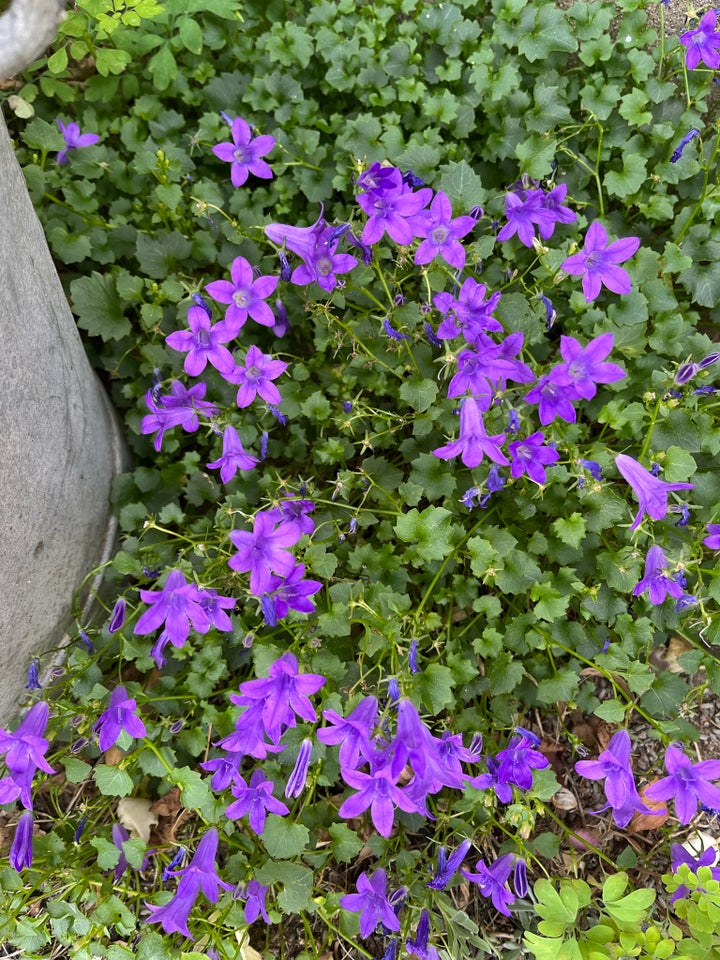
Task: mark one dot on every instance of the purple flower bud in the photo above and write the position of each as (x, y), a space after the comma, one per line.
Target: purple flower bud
(528, 735)
(87, 641)
(226, 118)
(21, 850)
(550, 312)
(592, 467)
(706, 388)
(263, 445)
(297, 779)
(412, 180)
(77, 720)
(347, 406)
(282, 321)
(33, 683)
(80, 828)
(118, 616)
(285, 268)
(177, 726)
(393, 690)
(655, 469)
(413, 657)
(476, 744)
(684, 516)
(392, 332)
(685, 372)
(468, 498)
(476, 212)
(520, 881)
(513, 422)
(398, 299)
(425, 309)
(77, 746)
(340, 230)
(248, 640)
(200, 301)
(432, 336)
(280, 417)
(175, 862)
(366, 253)
(709, 360)
(269, 611)
(352, 526)
(686, 600)
(684, 142)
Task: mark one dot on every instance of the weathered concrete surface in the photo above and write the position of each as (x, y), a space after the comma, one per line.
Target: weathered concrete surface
(60, 444)
(27, 29)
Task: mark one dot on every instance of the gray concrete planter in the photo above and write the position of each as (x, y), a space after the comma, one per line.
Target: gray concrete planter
(61, 445)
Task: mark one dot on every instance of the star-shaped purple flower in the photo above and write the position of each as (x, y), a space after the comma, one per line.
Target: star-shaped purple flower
(655, 581)
(176, 606)
(264, 551)
(255, 378)
(713, 541)
(473, 441)
(234, 456)
(246, 297)
(597, 263)
(443, 234)
(256, 800)
(73, 139)
(202, 343)
(119, 716)
(687, 783)
(530, 456)
(584, 366)
(703, 43)
(245, 152)
(492, 881)
(372, 903)
(613, 766)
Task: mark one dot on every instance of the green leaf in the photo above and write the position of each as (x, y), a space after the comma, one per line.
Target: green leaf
(76, 771)
(631, 108)
(702, 282)
(614, 887)
(108, 853)
(435, 685)
(462, 185)
(161, 253)
(163, 67)
(190, 34)
(668, 690)
(98, 307)
(505, 674)
(346, 844)
(678, 465)
(419, 393)
(110, 60)
(571, 530)
(194, 789)
(58, 61)
(112, 781)
(551, 32)
(611, 711)
(627, 181)
(283, 838)
(430, 530)
(296, 883)
(536, 155)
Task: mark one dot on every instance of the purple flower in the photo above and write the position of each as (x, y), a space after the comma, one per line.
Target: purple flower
(200, 874)
(119, 836)
(378, 791)
(703, 43)
(178, 408)
(73, 139)
(492, 881)
(25, 750)
(686, 784)
(442, 234)
(264, 551)
(283, 693)
(598, 263)
(613, 766)
(655, 580)
(21, 851)
(517, 762)
(256, 800)
(254, 896)
(256, 377)
(371, 903)
(300, 240)
(470, 314)
(531, 457)
(473, 441)
(215, 606)
(713, 541)
(584, 366)
(353, 732)
(419, 947)
(244, 153)
(292, 593)
(522, 214)
(176, 606)
(202, 343)
(652, 493)
(553, 400)
(592, 467)
(33, 680)
(677, 153)
(448, 866)
(118, 616)
(321, 263)
(296, 781)
(119, 716)
(394, 212)
(246, 298)
(234, 456)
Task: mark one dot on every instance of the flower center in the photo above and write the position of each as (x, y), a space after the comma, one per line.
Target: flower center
(324, 266)
(439, 235)
(241, 298)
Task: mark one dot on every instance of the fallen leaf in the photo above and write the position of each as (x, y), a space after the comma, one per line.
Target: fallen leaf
(169, 805)
(585, 839)
(113, 756)
(246, 951)
(137, 816)
(648, 821)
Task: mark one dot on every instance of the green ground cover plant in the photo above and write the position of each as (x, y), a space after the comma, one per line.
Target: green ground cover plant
(410, 309)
